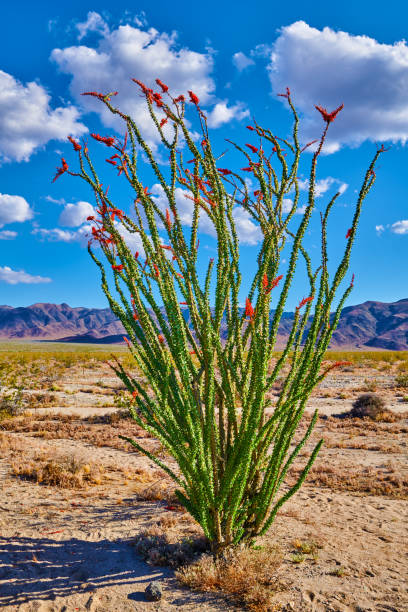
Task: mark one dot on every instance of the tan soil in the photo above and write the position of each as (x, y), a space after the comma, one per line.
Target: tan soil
(73, 549)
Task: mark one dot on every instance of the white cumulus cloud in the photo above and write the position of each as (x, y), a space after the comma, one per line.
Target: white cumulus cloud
(74, 215)
(27, 120)
(13, 277)
(222, 113)
(247, 231)
(328, 68)
(241, 61)
(323, 185)
(132, 239)
(13, 208)
(94, 23)
(84, 233)
(400, 227)
(131, 52)
(56, 234)
(7, 235)
(287, 204)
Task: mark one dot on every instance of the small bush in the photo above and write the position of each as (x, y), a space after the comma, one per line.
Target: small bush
(369, 385)
(402, 380)
(249, 576)
(12, 403)
(65, 472)
(368, 405)
(158, 548)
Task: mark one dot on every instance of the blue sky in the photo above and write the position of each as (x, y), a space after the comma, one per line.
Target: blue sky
(236, 57)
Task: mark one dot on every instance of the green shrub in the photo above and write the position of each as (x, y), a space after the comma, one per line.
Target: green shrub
(368, 405)
(208, 399)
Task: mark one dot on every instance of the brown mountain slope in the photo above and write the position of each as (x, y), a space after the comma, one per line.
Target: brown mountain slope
(53, 321)
(368, 325)
(374, 324)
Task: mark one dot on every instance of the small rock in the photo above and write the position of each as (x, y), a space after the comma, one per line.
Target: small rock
(154, 591)
(92, 602)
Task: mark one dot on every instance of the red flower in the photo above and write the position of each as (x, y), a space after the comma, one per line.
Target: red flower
(136, 254)
(64, 168)
(141, 85)
(303, 302)
(119, 267)
(75, 144)
(274, 283)
(204, 143)
(116, 212)
(348, 233)
(109, 141)
(164, 87)
(101, 96)
(329, 117)
(183, 303)
(224, 171)
(160, 338)
(338, 364)
(249, 127)
(135, 393)
(352, 281)
(156, 270)
(163, 121)
(193, 98)
(253, 149)
(265, 281)
(249, 311)
(285, 95)
(91, 218)
(168, 220)
(247, 169)
(179, 99)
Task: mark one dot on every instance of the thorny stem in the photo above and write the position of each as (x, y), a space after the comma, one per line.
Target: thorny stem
(208, 402)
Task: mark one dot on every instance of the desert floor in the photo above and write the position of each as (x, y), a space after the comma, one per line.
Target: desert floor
(108, 526)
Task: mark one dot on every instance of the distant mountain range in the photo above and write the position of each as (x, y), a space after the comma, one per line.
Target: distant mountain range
(369, 325)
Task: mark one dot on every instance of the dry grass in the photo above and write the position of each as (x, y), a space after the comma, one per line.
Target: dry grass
(355, 445)
(365, 426)
(10, 444)
(386, 481)
(87, 430)
(248, 576)
(153, 485)
(66, 472)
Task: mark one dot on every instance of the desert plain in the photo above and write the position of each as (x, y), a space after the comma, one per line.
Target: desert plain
(87, 522)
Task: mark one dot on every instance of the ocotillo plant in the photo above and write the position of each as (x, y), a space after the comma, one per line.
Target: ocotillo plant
(209, 400)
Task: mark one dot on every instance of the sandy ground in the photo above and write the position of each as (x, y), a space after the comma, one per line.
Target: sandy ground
(67, 549)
